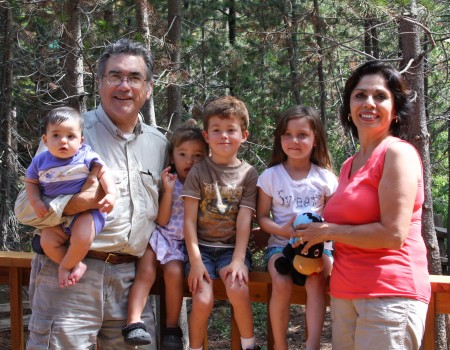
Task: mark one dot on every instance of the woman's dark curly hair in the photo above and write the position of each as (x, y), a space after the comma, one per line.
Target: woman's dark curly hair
(395, 83)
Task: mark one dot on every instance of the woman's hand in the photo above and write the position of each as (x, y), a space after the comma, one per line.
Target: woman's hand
(311, 234)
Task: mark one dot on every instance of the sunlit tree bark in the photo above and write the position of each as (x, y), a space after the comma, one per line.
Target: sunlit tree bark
(8, 225)
(417, 133)
(174, 106)
(143, 10)
(73, 82)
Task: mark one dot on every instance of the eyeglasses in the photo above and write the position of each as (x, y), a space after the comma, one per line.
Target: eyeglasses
(134, 81)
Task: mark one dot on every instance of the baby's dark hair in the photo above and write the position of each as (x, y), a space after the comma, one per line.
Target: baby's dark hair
(188, 131)
(60, 115)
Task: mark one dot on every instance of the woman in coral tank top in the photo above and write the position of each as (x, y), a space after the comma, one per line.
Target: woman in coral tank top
(379, 285)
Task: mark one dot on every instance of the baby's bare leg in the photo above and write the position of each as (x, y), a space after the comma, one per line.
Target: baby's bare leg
(83, 233)
(53, 240)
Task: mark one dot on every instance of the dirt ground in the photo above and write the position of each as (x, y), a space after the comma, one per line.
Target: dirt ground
(219, 341)
(219, 328)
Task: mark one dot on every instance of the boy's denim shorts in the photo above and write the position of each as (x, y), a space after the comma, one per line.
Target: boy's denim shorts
(216, 258)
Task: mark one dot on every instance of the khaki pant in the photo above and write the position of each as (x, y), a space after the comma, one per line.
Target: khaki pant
(378, 323)
(76, 317)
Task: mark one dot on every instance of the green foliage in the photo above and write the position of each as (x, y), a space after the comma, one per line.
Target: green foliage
(440, 195)
(256, 67)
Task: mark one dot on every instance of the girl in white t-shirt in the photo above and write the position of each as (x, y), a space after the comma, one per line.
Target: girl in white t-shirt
(299, 179)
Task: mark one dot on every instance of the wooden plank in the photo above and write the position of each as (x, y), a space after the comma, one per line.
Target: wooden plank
(441, 232)
(16, 315)
(428, 339)
(17, 259)
(235, 335)
(440, 283)
(15, 271)
(4, 275)
(442, 303)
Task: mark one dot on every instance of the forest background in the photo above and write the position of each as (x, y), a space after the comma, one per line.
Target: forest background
(270, 53)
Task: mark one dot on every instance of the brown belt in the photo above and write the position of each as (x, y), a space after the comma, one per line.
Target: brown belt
(111, 258)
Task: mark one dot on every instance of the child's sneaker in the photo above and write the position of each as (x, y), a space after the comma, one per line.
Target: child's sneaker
(172, 339)
(136, 334)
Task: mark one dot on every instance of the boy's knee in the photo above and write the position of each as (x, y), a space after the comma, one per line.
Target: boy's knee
(237, 292)
(203, 303)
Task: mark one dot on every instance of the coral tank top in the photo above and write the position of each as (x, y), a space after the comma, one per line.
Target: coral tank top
(371, 273)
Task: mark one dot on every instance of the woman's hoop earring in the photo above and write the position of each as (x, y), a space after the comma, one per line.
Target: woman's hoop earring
(349, 117)
(396, 119)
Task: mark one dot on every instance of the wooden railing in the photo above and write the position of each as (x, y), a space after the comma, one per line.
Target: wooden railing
(15, 270)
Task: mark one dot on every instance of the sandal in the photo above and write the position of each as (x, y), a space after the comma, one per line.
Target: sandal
(136, 334)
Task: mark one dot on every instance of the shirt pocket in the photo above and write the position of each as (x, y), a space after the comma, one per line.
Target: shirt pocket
(150, 180)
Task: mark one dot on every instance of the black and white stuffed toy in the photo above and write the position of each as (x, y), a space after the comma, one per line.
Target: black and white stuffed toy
(299, 265)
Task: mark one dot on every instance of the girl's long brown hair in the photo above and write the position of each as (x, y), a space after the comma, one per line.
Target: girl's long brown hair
(320, 154)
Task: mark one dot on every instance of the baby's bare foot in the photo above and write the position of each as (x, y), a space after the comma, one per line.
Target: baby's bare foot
(77, 272)
(63, 277)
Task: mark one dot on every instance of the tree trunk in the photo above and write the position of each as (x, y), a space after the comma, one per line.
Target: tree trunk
(9, 238)
(448, 193)
(323, 94)
(73, 82)
(367, 41)
(416, 132)
(374, 37)
(174, 107)
(143, 10)
(232, 40)
(371, 36)
(290, 26)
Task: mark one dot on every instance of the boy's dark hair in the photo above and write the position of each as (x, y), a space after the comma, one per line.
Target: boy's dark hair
(127, 47)
(61, 114)
(395, 83)
(320, 154)
(226, 107)
(188, 131)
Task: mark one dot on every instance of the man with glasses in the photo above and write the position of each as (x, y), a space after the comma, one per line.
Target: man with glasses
(95, 309)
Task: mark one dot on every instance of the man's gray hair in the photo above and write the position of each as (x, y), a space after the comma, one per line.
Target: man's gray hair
(126, 46)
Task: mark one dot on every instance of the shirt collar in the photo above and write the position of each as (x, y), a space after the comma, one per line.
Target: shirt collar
(112, 128)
